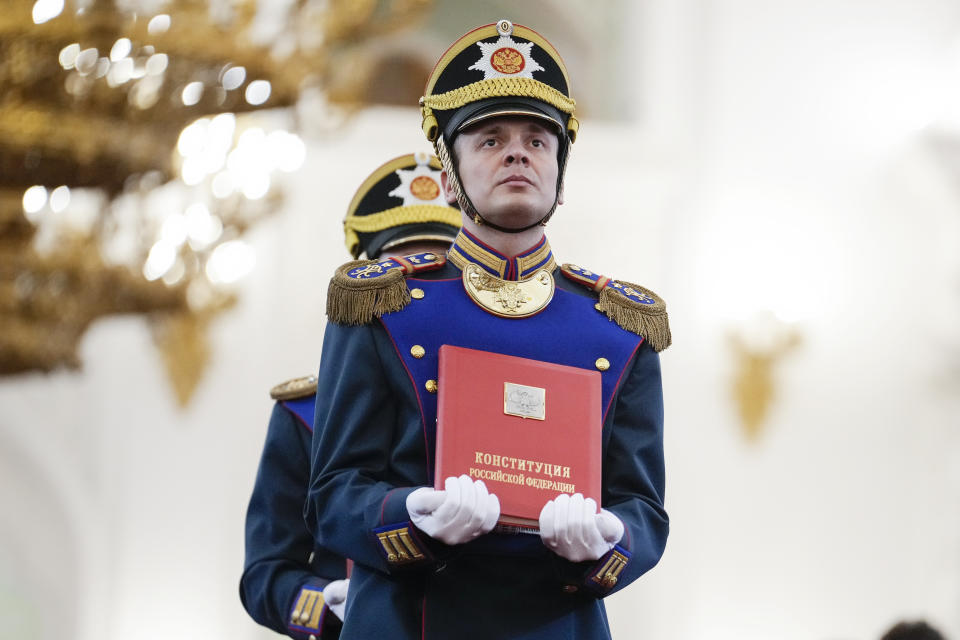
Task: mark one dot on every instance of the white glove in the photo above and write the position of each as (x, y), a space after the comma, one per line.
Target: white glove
(572, 528)
(335, 596)
(458, 514)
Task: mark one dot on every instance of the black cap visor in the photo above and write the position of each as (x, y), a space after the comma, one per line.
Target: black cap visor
(471, 114)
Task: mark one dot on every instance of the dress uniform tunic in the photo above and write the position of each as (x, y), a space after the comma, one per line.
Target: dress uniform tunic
(376, 416)
(398, 203)
(281, 587)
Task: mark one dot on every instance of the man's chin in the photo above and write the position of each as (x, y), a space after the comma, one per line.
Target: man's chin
(515, 218)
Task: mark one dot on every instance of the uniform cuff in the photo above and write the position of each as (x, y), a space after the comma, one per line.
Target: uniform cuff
(401, 545)
(602, 577)
(309, 611)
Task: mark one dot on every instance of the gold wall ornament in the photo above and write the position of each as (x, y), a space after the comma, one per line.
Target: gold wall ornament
(508, 298)
(758, 348)
(181, 338)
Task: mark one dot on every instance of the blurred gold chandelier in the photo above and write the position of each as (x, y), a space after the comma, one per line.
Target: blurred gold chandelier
(139, 141)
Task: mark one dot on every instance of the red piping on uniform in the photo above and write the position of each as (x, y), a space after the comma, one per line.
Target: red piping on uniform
(383, 503)
(297, 416)
(413, 382)
(620, 379)
(423, 618)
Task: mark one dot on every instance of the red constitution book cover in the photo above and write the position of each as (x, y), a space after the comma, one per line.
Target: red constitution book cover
(530, 430)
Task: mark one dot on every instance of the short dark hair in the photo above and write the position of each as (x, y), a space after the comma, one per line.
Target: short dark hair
(918, 630)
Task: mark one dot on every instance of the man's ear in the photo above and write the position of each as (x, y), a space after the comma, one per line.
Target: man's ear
(560, 194)
(448, 193)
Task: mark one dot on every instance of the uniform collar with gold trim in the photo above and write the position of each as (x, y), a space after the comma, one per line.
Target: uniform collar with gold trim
(467, 249)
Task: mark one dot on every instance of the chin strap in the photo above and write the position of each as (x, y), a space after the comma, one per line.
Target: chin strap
(446, 159)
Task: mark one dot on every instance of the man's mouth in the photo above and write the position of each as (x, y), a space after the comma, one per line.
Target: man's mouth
(516, 179)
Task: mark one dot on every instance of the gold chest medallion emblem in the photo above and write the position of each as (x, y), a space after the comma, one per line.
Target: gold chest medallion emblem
(508, 298)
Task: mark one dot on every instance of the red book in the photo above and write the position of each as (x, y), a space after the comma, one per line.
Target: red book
(529, 429)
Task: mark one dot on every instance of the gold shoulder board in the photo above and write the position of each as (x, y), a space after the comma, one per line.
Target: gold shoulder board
(635, 308)
(361, 290)
(296, 388)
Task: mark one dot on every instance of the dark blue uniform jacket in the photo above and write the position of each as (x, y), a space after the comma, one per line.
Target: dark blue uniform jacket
(282, 587)
(375, 420)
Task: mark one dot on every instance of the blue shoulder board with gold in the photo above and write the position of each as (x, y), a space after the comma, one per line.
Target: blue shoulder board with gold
(635, 308)
(364, 289)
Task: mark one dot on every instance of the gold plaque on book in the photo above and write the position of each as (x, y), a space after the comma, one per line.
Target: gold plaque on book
(525, 402)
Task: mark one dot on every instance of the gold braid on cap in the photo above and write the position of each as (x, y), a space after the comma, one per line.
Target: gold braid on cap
(499, 88)
(396, 216)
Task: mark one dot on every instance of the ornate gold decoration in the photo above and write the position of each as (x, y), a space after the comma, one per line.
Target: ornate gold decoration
(98, 98)
(309, 608)
(359, 298)
(608, 575)
(181, 338)
(757, 349)
(296, 388)
(424, 188)
(508, 298)
(48, 302)
(399, 546)
(507, 60)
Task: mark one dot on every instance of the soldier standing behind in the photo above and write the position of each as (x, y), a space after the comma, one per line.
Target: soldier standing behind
(288, 583)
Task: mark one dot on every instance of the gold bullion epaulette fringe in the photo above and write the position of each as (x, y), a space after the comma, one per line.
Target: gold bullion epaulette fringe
(295, 388)
(361, 290)
(635, 308)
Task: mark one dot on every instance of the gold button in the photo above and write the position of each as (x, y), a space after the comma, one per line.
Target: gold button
(313, 637)
(416, 294)
(429, 257)
(602, 364)
(598, 307)
(431, 386)
(417, 351)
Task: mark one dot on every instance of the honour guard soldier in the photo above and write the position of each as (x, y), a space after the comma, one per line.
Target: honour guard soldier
(428, 562)
(286, 583)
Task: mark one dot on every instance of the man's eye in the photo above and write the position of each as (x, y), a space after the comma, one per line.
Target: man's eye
(489, 142)
(537, 143)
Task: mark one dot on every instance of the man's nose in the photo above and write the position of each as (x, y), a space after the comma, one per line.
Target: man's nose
(515, 152)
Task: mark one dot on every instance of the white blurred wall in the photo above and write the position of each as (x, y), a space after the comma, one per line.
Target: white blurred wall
(779, 161)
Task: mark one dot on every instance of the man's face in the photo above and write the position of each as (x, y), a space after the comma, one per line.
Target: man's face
(508, 167)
